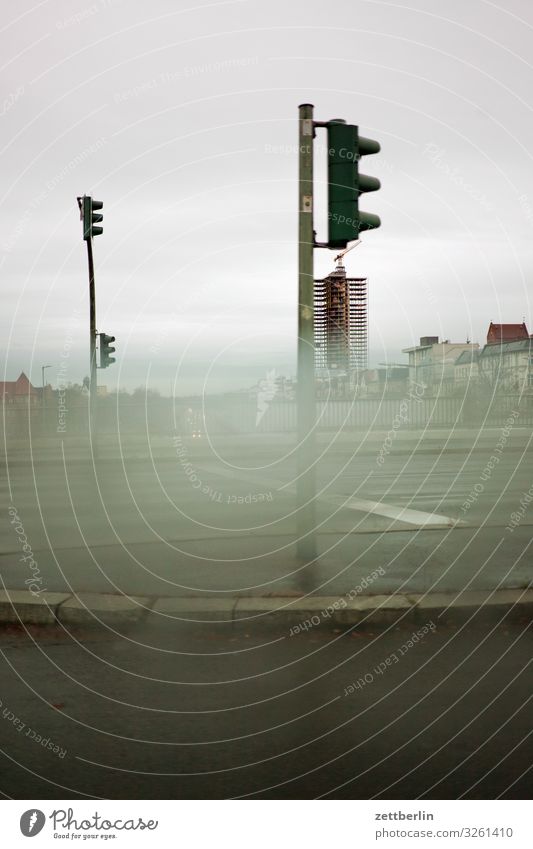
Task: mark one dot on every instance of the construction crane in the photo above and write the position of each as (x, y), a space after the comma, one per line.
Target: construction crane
(338, 258)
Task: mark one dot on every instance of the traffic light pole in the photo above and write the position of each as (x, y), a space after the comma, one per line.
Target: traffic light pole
(306, 412)
(93, 386)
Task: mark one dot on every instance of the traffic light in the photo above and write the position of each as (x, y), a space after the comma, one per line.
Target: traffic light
(106, 350)
(345, 183)
(91, 218)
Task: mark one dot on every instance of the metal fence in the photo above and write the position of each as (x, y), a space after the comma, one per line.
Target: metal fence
(372, 414)
(243, 415)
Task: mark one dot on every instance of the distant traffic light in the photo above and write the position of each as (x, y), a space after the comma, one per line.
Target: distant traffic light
(106, 350)
(345, 183)
(91, 218)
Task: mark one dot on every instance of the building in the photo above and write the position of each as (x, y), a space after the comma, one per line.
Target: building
(507, 366)
(505, 362)
(432, 363)
(340, 330)
(466, 368)
(498, 333)
(388, 382)
(19, 391)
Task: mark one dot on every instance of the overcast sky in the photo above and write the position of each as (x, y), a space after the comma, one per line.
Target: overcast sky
(182, 117)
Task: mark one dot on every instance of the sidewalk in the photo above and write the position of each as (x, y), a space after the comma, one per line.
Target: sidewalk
(384, 563)
(355, 578)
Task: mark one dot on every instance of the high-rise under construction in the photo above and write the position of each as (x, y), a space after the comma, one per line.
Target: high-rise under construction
(341, 336)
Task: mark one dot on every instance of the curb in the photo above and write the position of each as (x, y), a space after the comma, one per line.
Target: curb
(20, 607)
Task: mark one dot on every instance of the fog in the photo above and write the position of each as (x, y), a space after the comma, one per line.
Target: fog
(206, 593)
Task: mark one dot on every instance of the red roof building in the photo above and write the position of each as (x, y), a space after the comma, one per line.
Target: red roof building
(17, 391)
(498, 333)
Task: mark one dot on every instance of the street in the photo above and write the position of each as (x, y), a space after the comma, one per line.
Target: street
(182, 711)
(220, 517)
(177, 709)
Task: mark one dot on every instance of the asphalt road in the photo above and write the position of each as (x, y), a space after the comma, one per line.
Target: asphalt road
(218, 516)
(175, 710)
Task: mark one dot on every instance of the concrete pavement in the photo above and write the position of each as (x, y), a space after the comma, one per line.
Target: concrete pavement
(367, 442)
(178, 710)
(221, 520)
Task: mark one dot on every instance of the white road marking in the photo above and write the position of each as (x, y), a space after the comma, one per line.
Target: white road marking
(378, 508)
(411, 499)
(401, 514)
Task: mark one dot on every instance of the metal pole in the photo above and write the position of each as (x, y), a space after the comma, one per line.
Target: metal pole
(93, 386)
(306, 483)
(43, 397)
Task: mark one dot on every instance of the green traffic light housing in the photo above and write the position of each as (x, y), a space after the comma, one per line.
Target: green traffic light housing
(106, 350)
(346, 184)
(90, 218)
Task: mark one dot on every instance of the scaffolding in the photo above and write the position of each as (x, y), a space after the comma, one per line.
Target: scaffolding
(341, 333)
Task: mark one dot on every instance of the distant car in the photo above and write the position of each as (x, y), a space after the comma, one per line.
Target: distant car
(193, 423)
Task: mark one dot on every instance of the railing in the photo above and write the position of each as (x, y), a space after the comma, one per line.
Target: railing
(236, 415)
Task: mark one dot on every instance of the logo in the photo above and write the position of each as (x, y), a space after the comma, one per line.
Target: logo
(32, 822)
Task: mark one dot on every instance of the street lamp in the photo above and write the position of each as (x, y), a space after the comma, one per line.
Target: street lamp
(42, 381)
